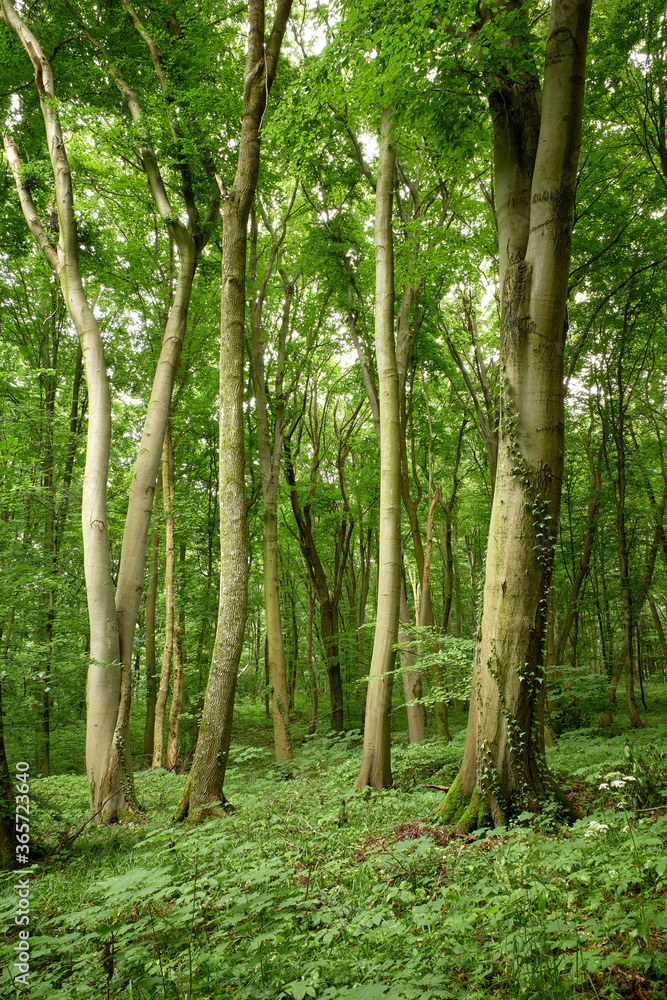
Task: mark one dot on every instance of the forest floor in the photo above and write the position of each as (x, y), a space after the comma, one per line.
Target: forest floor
(311, 889)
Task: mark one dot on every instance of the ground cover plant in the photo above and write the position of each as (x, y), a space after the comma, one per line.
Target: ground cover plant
(310, 890)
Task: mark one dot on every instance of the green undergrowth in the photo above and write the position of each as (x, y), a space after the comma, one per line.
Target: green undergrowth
(311, 889)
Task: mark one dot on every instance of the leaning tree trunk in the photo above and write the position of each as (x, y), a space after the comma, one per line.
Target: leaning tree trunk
(112, 617)
(204, 786)
(103, 686)
(376, 756)
(503, 772)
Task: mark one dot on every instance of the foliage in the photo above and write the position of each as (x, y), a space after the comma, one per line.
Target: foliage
(576, 696)
(307, 890)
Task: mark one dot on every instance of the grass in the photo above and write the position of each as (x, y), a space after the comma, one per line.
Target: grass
(311, 889)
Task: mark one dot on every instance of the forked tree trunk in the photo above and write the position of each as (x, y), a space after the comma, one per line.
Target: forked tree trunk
(503, 772)
(112, 616)
(204, 788)
(376, 756)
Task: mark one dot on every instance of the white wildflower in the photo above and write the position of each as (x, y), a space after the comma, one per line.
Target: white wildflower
(596, 829)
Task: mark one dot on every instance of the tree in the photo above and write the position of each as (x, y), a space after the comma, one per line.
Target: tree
(269, 446)
(113, 611)
(376, 759)
(205, 784)
(536, 150)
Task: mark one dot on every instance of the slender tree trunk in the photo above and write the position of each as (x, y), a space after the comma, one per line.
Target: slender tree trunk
(412, 679)
(169, 586)
(376, 755)
(658, 628)
(309, 660)
(269, 463)
(112, 617)
(103, 686)
(178, 666)
(204, 788)
(151, 685)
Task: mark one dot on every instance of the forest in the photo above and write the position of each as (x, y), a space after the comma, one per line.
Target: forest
(333, 479)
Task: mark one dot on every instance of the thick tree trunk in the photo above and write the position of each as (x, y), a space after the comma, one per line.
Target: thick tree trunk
(376, 756)
(204, 788)
(503, 772)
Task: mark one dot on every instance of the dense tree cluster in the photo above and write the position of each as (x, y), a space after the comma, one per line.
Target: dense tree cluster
(343, 328)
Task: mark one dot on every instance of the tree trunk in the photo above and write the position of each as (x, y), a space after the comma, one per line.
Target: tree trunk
(309, 660)
(376, 756)
(178, 665)
(112, 617)
(269, 465)
(169, 582)
(412, 679)
(151, 686)
(502, 773)
(204, 788)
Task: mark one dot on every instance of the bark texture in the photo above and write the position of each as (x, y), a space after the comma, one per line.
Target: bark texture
(204, 788)
(535, 168)
(112, 615)
(376, 759)
(270, 446)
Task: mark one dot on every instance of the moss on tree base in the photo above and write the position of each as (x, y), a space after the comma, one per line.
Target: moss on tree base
(473, 812)
(194, 816)
(467, 813)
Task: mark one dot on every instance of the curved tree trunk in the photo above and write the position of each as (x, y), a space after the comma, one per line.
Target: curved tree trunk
(103, 685)
(112, 617)
(376, 756)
